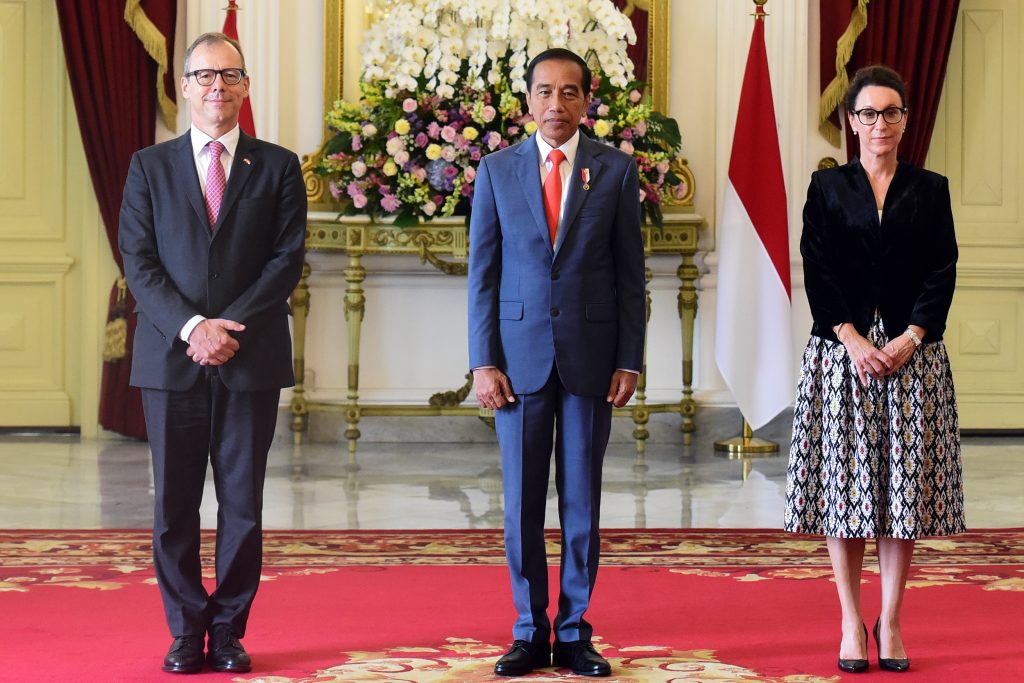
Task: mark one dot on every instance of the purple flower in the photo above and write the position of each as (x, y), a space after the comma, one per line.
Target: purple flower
(474, 154)
(626, 134)
(421, 140)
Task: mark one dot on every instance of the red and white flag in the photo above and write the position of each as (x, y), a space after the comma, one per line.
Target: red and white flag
(231, 31)
(753, 340)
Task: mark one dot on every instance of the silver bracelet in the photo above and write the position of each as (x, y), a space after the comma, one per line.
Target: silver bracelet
(913, 337)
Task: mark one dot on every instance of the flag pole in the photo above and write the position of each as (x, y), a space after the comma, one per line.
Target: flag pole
(747, 446)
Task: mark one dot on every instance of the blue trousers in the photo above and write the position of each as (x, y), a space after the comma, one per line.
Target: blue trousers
(578, 427)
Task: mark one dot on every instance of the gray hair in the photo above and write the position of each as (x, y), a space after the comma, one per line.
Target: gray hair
(208, 38)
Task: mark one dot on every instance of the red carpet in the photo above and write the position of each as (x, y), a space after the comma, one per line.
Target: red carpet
(670, 605)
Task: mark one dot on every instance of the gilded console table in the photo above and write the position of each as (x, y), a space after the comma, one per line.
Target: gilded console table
(441, 239)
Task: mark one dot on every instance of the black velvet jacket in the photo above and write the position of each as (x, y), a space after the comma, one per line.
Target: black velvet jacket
(905, 267)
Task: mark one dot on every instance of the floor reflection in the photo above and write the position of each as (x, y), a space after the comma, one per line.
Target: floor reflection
(63, 482)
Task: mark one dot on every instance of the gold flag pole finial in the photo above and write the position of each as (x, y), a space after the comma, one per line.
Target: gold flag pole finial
(759, 13)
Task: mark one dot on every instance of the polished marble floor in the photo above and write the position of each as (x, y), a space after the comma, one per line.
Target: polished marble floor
(49, 481)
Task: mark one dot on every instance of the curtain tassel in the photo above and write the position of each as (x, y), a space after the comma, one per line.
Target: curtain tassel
(115, 339)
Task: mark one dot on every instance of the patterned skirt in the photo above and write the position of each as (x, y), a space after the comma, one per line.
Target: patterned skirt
(881, 460)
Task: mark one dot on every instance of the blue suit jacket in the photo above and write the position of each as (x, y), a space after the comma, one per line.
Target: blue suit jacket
(244, 269)
(581, 305)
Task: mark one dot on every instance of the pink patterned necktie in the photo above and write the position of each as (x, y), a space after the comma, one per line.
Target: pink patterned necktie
(215, 182)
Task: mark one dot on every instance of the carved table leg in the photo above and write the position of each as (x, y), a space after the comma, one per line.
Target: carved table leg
(687, 274)
(640, 413)
(300, 313)
(355, 304)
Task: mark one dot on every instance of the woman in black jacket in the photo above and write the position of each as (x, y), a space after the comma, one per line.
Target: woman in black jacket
(876, 441)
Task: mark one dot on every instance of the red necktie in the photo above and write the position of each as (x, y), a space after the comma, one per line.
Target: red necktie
(215, 182)
(553, 192)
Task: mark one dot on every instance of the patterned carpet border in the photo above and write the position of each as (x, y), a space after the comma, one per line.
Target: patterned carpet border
(690, 548)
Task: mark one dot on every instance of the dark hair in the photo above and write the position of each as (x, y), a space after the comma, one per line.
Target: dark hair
(207, 38)
(563, 54)
(875, 74)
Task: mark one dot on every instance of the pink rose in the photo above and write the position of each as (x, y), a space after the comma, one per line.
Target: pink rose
(662, 167)
(433, 129)
(358, 169)
(448, 134)
(357, 143)
(489, 113)
(626, 146)
(422, 139)
(641, 128)
(359, 201)
(470, 174)
(429, 208)
(634, 96)
(448, 153)
(602, 110)
(402, 157)
(408, 105)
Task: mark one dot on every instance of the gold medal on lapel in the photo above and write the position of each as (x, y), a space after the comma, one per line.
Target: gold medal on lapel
(586, 179)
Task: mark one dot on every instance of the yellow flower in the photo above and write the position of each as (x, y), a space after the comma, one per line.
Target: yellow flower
(433, 152)
(530, 127)
(602, 128)
(470, 133)
(390, 168)
(401, 126)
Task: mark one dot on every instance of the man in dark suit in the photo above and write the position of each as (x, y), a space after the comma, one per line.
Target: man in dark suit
(556, 334)
(212, 231)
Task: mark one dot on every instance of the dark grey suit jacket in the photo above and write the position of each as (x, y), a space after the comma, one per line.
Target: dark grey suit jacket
(244, 269)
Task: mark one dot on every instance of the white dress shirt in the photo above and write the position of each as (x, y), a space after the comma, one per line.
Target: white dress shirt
(201, 154)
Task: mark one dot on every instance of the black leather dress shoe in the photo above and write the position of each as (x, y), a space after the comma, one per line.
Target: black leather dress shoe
(185, 655)
(582, 658)
(225, 653)
(522, 658)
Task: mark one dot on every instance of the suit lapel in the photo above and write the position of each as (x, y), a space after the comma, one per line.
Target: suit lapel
(241, 170)
(528, 172)
(586, 158)
(185, 166)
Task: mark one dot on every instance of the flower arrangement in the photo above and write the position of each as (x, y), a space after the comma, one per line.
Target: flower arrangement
(441, 88)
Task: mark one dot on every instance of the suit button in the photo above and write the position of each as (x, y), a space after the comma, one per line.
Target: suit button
(214, 276)
(554, 312)
(554, 275)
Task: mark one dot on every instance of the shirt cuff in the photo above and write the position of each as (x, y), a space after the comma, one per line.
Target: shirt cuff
(186, 331)
(632, 372)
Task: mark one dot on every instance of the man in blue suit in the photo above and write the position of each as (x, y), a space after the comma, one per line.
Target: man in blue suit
(212, 231)
(556, 335)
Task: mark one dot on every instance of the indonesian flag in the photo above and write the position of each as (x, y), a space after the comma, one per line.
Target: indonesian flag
(753, 342)
(231, 31)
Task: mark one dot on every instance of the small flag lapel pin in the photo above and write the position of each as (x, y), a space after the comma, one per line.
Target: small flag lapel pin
(586, 179)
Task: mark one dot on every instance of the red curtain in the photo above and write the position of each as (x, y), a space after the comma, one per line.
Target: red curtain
(912, 37)
(113, 81)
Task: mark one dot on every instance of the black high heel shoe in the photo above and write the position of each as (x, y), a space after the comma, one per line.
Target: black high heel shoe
(855, 666)
(888, 664)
